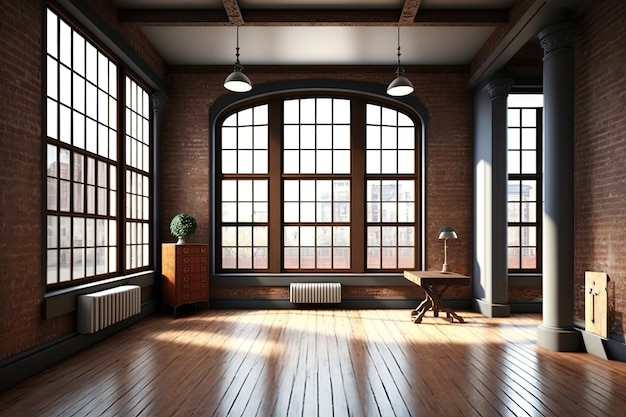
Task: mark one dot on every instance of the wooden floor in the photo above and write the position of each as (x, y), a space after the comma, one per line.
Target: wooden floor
(323, 363)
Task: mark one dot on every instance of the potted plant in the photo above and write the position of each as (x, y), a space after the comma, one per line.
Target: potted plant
(183, 226)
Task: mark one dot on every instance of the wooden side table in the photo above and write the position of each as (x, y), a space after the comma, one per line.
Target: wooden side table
(435, 284)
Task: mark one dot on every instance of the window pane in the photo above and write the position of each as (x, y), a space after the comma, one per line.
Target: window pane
(529, 162)
(529, 258)
(529, 139)
(341, 162)
(514, 258)
(341, 258)
(406, 258)
(529, 118)
(514, 162)
(341, 111)
(406, 163)
(513, 118)
(513, 138)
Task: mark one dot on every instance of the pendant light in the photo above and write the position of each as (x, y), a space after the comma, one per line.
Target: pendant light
(237, 81)
(400, 86)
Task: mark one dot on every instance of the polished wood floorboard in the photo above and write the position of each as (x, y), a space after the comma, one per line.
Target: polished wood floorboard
(323, 363)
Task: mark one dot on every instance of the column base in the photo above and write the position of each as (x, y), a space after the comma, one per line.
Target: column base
(559, 339)
(489, 309)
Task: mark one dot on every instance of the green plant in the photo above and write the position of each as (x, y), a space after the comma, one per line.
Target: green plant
(183, 225)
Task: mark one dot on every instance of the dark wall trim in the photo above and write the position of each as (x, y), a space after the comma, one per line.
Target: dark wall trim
(526, 306)
(57, 303)
(20, 367)
(364, 280)
(280, 280)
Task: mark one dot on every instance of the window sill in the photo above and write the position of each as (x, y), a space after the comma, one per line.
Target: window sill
(525, 279)
(57, 303)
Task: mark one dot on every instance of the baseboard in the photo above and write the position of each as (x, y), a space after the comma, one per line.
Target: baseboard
(352, 303)
(602, 347)
(526, 306)
(21, 367)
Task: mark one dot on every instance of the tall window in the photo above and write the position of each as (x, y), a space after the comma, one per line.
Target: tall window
(525, 196)
(89, 207)
(317, 184)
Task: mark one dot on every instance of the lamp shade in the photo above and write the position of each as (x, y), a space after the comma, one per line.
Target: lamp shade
(447, 232)
(237, 81)
(400, 86)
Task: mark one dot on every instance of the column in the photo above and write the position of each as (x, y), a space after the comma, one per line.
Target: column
(159, 100)
(490, 274)
(557, 330)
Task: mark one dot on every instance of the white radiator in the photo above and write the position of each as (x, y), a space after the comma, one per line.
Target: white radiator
(104, 308)
(315, 292)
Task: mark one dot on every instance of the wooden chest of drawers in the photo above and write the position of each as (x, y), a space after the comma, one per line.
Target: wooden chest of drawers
(185, 271)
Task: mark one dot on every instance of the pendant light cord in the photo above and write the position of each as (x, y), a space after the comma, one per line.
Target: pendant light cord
(400, 70)
(237, 49)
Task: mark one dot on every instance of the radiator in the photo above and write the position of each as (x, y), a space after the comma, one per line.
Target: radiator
(315, 292)
(104, 308)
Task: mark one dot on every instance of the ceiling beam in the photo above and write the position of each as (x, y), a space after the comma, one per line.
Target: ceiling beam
(315, 17)
(527, 18)
(409, 11)
(233, 12)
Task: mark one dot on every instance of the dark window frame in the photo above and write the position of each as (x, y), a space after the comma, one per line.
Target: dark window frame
(115, 160)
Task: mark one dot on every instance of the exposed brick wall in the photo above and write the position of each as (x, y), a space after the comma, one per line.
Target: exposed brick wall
(185, 146)
(132, 33)
(20, 218)
(600, 154)
(527, 63)
(21, 326)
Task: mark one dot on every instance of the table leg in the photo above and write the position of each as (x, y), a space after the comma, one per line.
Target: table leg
(419, 312)
(435, 293)
(421, 306)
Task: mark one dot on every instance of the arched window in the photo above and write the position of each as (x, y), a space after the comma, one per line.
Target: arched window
(317, 182)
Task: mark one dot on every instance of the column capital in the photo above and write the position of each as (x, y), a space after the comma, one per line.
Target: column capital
(159, 100)
(557, 38)
(498, 87)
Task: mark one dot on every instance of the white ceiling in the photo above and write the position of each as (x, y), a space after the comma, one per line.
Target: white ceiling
(271, 41)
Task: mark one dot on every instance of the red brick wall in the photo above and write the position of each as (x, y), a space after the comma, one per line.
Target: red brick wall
(131, 33)
(21, 326)
(185, 145)
(600, 154)
(20, 181)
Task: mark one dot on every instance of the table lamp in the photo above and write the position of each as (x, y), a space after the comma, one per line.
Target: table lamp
(446, 233)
